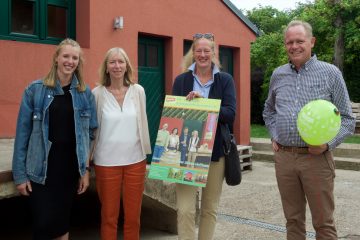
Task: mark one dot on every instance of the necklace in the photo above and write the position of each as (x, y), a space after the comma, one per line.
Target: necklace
(119, 94)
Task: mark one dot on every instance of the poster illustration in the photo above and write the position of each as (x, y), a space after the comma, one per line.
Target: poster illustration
(185, 140)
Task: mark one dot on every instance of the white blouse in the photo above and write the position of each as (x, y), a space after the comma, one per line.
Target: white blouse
(119, 140)
(173, 141)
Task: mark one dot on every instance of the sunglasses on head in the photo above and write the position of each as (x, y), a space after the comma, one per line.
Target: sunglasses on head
(209, 36)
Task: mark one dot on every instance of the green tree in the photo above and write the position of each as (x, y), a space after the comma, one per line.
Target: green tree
(336, 25)
(268, 19)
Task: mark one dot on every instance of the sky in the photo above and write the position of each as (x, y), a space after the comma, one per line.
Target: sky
(278, 4)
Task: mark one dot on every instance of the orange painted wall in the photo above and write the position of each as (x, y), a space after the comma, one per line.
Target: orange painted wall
(174, 21)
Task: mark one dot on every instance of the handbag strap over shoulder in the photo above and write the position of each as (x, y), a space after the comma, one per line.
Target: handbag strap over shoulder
(225, 132)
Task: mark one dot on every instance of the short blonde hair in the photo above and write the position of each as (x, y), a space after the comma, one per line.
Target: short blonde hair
(51, 77)
(105, 79)
(306, 25)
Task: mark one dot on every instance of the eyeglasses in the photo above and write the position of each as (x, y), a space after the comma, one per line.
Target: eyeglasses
(209, 36)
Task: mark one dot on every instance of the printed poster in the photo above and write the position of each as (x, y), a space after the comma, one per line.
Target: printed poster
(185, 140)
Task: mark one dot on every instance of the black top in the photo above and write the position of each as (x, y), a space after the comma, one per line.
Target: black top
(62, 122)
(63, 167)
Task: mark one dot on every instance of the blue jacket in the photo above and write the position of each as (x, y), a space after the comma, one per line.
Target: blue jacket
(182, 138)
(223, 88)
(31, 147)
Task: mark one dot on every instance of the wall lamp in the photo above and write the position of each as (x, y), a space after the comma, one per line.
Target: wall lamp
(119, 22)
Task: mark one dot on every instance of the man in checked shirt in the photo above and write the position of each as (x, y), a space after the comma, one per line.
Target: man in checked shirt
(305, 173)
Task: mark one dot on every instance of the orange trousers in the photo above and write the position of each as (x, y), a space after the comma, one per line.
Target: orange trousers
(112, 183)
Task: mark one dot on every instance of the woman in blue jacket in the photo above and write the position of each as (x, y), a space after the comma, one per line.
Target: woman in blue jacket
(55, 125)
(202, 78)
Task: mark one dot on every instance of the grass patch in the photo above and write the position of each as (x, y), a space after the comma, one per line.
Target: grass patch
(260, 131)
(353, 139)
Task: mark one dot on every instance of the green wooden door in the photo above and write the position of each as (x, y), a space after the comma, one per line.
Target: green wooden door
(151, 77)
(226, 60)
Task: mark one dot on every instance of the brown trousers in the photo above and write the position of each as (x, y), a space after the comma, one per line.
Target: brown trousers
(111, 183)
(306, 177)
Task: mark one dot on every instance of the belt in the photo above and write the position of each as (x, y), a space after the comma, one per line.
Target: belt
(302, 150)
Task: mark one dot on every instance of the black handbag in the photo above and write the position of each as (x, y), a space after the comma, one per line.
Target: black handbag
(232, 160)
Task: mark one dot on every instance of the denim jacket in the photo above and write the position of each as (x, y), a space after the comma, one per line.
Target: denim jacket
(31, 147)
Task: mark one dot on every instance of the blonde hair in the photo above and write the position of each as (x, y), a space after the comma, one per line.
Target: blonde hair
(189, 56)
(51, 77)
(105, 76)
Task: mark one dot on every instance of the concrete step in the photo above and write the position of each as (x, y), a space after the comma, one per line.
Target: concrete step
(340, 162)
(261, 144)
(344, 150)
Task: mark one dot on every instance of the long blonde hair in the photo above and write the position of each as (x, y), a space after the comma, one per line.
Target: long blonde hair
(189, 56)
(51, 77)
(105, 76)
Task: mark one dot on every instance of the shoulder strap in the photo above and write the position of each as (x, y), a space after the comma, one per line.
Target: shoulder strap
(225, 132)
(222, 82)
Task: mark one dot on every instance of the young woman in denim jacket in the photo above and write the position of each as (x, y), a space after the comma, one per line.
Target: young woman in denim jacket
(55, 125)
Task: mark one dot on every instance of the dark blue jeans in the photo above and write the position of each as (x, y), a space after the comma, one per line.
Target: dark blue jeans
(158, 151)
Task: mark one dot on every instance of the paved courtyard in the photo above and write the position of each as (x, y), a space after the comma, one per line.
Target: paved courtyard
(250, 211)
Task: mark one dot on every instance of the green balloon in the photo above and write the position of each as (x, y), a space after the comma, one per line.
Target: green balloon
(318, 122)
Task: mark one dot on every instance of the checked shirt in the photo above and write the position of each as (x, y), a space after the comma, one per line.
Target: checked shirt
(290, 90)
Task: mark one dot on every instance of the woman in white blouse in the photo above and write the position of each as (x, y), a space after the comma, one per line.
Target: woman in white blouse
(121, 144)
(173, 140)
